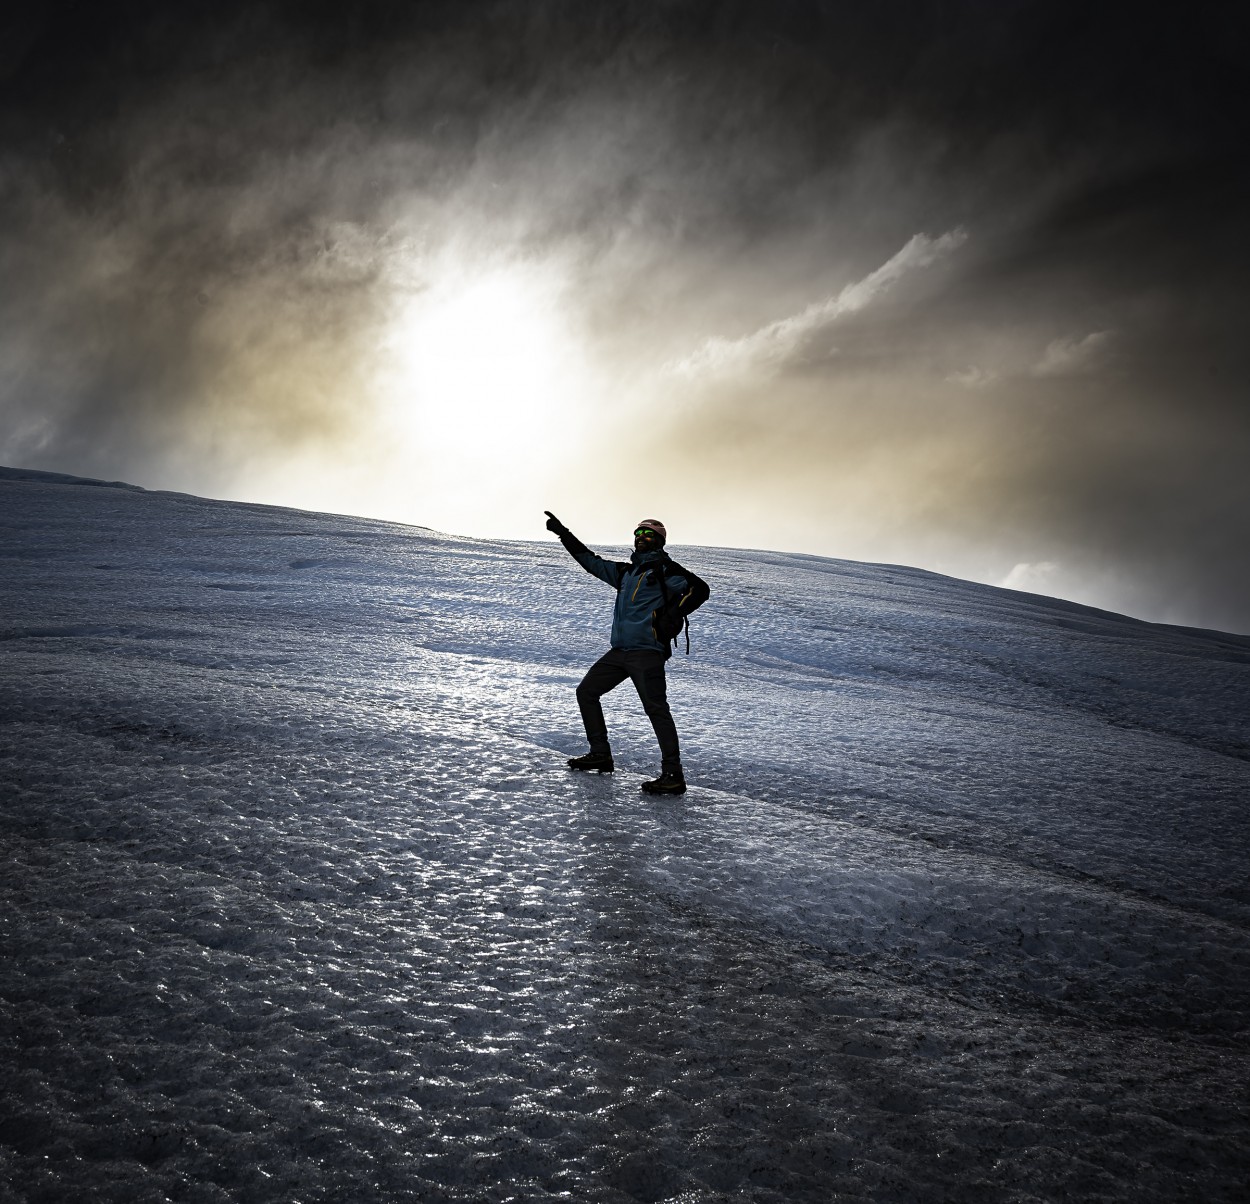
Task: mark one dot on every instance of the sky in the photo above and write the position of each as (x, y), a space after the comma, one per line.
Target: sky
(951, 284)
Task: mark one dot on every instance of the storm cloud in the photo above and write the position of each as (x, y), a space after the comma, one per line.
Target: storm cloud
(955, 285)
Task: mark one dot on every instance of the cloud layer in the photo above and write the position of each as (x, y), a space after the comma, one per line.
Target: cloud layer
(932, 284)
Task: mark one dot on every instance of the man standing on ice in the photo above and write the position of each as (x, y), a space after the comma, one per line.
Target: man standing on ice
(653, 597)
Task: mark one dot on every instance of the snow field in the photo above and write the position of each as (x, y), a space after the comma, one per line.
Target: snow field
(298, 902)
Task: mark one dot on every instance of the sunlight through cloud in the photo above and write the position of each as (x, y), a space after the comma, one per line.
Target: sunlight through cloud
(480, 381)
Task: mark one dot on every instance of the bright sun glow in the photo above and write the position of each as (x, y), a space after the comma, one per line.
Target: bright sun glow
(482, 380)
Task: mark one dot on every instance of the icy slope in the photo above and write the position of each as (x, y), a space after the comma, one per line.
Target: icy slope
(298, 901)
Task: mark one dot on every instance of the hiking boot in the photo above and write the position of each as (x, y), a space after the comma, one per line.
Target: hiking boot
(602, 761)
(671, 781)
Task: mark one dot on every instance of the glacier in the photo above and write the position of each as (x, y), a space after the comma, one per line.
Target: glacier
(299, 901)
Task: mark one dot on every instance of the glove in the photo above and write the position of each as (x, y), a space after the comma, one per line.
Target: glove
(553, 523)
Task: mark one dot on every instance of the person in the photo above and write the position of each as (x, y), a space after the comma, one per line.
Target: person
(653, 596)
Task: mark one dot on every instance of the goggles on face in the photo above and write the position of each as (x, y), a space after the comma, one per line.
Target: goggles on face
(643, 531)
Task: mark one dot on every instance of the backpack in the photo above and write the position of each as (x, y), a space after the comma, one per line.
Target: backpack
(669, 620)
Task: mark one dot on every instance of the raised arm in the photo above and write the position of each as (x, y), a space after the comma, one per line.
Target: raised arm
(606, 570)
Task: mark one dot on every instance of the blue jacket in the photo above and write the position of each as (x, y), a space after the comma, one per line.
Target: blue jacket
(638, 592)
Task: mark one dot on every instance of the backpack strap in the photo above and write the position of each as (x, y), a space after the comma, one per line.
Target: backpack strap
(661, 571)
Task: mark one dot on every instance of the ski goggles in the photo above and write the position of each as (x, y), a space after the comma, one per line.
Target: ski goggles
(644, 531)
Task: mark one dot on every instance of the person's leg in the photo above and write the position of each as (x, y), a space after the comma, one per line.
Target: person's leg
(605, 674)
(647, 671)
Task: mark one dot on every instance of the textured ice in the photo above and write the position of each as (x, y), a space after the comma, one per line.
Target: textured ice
(298, 902)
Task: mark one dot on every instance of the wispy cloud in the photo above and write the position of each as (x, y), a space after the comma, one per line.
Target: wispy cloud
(770, 348)
(1073, 356)
(1064, 357)
(1031, 578)
(974, 377)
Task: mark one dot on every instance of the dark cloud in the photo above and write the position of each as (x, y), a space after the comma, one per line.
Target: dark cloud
(210, 211)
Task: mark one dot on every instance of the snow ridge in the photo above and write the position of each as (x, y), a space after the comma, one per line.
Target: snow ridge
(299, 902)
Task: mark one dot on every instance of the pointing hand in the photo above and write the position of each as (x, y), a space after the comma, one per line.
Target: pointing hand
(553, 523)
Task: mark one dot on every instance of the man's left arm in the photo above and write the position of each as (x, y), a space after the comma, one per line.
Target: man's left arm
(686, 591)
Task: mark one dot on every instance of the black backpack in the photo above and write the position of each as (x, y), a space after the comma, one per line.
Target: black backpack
(670, 619)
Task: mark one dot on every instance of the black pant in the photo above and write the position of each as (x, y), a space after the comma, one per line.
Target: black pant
(646, 668)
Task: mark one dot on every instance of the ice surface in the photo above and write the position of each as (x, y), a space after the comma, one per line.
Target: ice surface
(300, 904)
